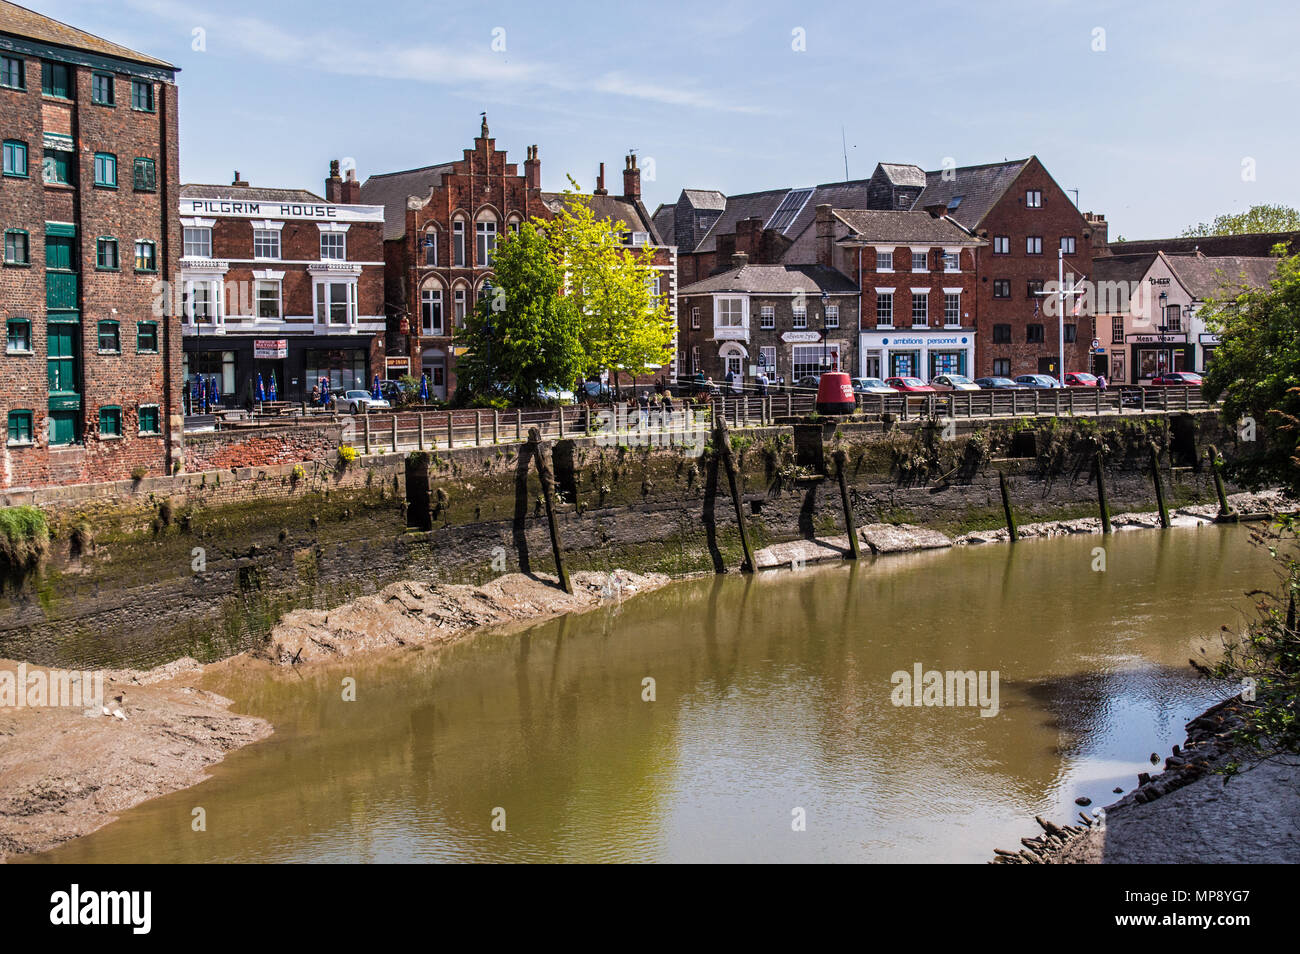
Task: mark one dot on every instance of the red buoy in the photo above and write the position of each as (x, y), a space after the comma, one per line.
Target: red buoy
(835, 394)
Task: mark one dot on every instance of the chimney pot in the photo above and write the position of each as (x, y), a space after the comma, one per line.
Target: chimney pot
(739, 260)
(631, 178)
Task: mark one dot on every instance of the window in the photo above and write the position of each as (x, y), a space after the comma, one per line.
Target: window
(267, 292)
(1032, 288)
(767, 316)
(110, 341)
(1033, 245)
(334, 303)
(106, 253)
(918, 262)
(1001, 288)
(458, 244)
(1067, 244)
(884, 260)
(1002, 367)
(431, 311)
(431, 247)
(17, 250)
(1002, 334)
(1034, 333)
(695, 317)
(800, 316)
(731, 313)
(1173, 318)
(57, 166)
(200, 306)
(146, 337)
(101, 89)
(20, 427)
(145, 176)
(149, 419)
(767, 359)
(485, 242)
(198, 243)
(458, 307)
(920, 308)
(832, 316)
(952, 261)
(1034, 199)
(142, 95)
(15, 158)
(884, 308)
(106, 170)
(13, 72)
(333, 246)
(952, 309)
(1071, 334)
(266, 243)
(18, 336)
(1116, 330)
(146, 256)
(55, 80)
(110, 421)
(1001, 245)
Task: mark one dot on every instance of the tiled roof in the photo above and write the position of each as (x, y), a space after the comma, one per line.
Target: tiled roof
(903, 227)
(1213, 276)
(705, 199)
(802, 229)
(1251, 244)
(616, 208)
(1121, 268)
(980, 187)
(21, 22)
(756, 279)
(903, 174)
(193, 190)
(392, 189)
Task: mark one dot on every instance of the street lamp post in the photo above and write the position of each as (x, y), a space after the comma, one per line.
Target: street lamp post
(825, 356)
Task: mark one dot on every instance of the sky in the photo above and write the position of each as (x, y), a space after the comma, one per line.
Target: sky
(1161, 115)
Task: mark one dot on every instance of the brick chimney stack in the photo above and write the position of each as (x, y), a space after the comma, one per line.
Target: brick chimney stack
(631, 178)
(240, 183)
(533, 170)
(739, 260)
(1100, 229)
(351, 189)
(600, 181)
(825, 236)
(333, 184)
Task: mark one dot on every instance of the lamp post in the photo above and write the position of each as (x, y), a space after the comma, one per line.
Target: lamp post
(825, 356)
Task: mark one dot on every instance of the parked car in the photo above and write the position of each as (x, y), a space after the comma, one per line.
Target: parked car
(392, 390)
(363, 402)
(953, 382)
(1178, 378)
(554, 395)
(1080, 379)
(871, 386)
(595, 391)
(1038, 381)
(808, 382)
(998, 384)
(909, 385)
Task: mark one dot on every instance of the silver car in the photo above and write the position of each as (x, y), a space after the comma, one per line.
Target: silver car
(363, 402)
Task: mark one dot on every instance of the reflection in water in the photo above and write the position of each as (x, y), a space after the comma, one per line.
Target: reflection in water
(773, 693)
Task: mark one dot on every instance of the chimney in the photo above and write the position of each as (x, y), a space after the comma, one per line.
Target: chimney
(937, 211)
(749, 237)
(333, 184)
(600, 181)
(1100, 229)
(825, 236)
(739, 260)
(351, 189)
(240, 183)
(631, 178)
(533, 170)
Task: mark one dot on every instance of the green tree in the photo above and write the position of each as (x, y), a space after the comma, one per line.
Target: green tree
(524, 333)
(1256, 369)
(1258, 218)
(625, 326)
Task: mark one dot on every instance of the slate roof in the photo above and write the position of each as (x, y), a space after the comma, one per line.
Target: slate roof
(802, 230)
(739, 207)
(1122, 268)
(705, 199)
(392, 189)
(903, 227)
(756, 279)
(665, 221)
(194, 190)
(616, 208)
(21, 22)
(903, 174)
(980, 187)
(1251, 244)
(1207, 276)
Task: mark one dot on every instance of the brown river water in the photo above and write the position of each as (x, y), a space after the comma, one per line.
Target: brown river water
(772, 735)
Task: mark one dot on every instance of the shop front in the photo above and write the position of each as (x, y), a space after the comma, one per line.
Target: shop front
(1154, 355)
(915, 355)
(297, 364)
(1208, 343)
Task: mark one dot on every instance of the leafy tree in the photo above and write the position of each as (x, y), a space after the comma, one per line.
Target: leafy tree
(524, 333)
(1258, 218)
(624, 325)
(1256, 368)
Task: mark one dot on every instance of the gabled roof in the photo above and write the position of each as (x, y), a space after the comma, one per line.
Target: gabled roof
(902, 174)
(868, 226)
(616, 208)
(195, 190)
(1122, 268)
(801, 228)
(705, 199)
(1214, 276)
(774, 279)
(21, 22)
(392, 189)
(665, 222)
(980, 188)
(737, 208)
(1249, 244)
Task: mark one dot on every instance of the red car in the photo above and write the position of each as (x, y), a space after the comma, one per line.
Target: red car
(1186, 379)
(910, 385)
(1080, 379)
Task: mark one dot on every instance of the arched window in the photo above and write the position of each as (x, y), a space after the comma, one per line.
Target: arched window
(485, 238)
(430, 246)
(431, 322)
(459, 304)
(458, 243)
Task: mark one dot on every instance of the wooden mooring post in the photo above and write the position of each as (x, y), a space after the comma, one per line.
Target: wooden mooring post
(1102, 505)
(850, 524)
(1216, 468)
(1006, 507)
(548, 495)
(1160, 490)
(722, 442)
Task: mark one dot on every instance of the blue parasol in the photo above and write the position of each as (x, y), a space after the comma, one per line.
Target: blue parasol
(203, 396)
(424, 388)
(261, 391)
(272, 392)
(215, 391)
(324, 392)
(374, 391)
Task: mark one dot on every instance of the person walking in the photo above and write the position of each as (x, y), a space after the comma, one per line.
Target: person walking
(1101, 381)
(762, 384)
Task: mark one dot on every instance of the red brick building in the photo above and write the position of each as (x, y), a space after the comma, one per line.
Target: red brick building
(89, 378)
(283, 285)
(441, 227)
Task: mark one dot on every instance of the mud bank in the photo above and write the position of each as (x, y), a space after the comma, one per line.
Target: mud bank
(66, 771)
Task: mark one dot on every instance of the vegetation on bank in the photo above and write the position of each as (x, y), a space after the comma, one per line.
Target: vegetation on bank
(24, 538)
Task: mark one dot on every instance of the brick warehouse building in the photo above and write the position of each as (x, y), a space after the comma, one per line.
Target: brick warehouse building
(282, 283)
(441, 225)
(89, 385)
